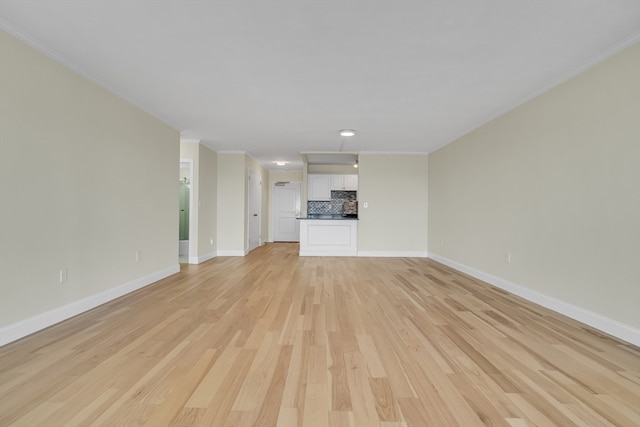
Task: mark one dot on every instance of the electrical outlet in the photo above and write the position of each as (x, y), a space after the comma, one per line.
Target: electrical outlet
(507, 257)
(63, 275)
(211, 241)
(138, 256)
(365, 205)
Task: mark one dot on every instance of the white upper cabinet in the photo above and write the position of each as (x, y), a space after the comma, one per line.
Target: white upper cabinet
(337, 182)
(319, 187)
(344, 182)
(351, 182)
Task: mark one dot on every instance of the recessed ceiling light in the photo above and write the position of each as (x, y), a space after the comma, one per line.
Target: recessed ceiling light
(280, 162)
(347, 132)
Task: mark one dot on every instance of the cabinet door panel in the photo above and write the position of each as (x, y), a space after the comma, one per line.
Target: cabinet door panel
(319, 187)
(351, 182)
(337, 182)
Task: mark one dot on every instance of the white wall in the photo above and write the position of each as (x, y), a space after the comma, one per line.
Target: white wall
(68, 199)
(556, 183)
(395, 187)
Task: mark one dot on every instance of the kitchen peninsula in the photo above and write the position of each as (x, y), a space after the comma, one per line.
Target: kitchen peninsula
(328, 235)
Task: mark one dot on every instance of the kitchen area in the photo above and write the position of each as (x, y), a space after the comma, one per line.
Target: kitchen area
(330, 227)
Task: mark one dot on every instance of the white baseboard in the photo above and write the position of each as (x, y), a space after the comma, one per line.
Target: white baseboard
(612, 327)
(36, 323)
(231, 253)
(202, 258)
(206, 257)
(393, 254)
(316, 252)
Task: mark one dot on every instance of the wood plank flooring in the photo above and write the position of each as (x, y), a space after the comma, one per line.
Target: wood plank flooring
(272, 339)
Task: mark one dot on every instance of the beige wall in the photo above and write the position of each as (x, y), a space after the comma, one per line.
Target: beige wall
(395, 187)
(68, 197)
(233, 197)
(279, 176)
(208, 203)
(231, 203)
(555, 182)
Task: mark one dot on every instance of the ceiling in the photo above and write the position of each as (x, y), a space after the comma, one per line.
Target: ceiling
(276, 78)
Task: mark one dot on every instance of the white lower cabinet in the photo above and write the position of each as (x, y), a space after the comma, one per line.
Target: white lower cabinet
(329, 237)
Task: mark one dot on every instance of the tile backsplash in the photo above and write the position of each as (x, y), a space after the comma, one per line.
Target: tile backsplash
(331, 207)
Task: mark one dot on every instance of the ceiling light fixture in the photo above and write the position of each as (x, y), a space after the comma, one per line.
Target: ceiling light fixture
(355, 165)
(280, 163)
(347, 132)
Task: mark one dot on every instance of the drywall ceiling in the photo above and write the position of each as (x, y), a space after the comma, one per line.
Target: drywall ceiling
(274, 78)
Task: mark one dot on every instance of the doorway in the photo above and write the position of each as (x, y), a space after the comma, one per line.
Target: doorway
(184, 209)
(254, 210)
(286, 210)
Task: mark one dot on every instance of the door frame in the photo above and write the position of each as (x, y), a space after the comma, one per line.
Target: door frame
(274, 206)
(258, 178)
(193, 241)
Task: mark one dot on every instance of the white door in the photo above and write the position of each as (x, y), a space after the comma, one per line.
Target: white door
(254, 210)
(286, 208)
(319, 187)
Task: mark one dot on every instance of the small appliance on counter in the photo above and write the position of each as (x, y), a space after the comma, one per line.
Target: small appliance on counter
(350, 208)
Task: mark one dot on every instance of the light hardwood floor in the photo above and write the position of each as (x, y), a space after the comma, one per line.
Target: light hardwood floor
(272, 339)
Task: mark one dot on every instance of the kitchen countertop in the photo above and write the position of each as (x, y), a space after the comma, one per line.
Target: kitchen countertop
(328, 216)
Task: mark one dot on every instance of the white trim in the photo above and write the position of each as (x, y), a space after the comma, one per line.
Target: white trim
(36, 323)
(193, 226)
(246, 250)
(394, 254)
(232, 253)
(202, 258)
(317, 252)
(610, 326)
(275, 199)
(189, 141)
(257, 175)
